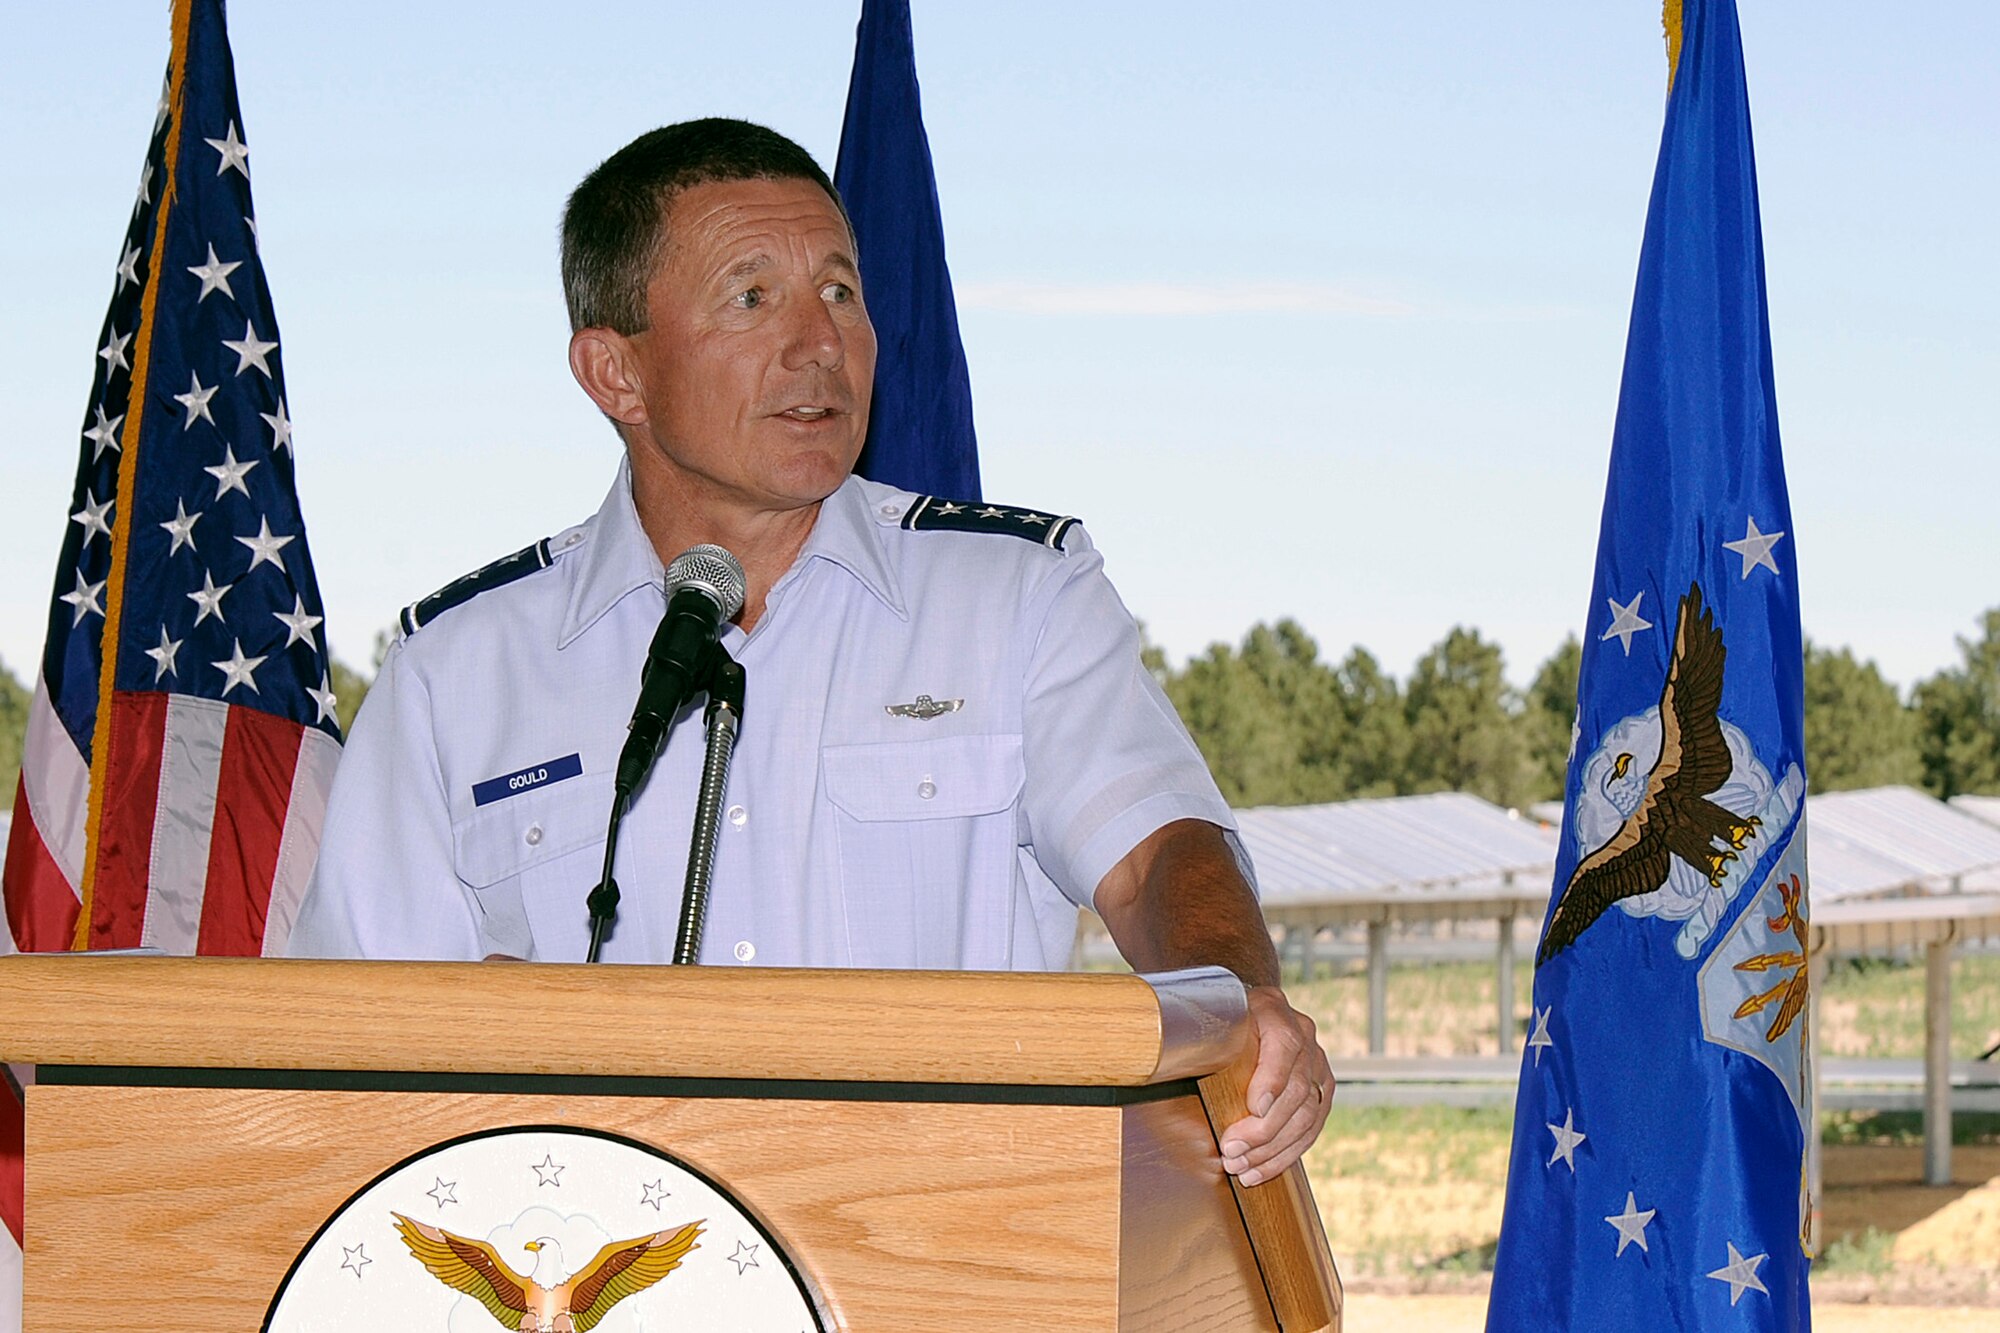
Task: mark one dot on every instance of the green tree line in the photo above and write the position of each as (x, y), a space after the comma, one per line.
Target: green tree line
(1281, 726)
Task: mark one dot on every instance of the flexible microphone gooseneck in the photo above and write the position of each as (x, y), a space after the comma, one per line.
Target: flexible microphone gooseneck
(705, 587)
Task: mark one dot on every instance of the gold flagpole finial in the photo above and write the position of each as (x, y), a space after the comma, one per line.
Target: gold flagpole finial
(1670, 19)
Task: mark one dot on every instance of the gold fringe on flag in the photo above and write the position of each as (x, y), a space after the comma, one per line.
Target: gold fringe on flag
(101, 760)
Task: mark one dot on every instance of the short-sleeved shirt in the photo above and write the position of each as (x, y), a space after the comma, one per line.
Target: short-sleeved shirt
(468, 814)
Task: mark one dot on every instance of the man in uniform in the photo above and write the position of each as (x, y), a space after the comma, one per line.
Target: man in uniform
(949, 741)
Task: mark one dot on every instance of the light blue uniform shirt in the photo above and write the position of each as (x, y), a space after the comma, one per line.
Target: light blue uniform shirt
(468, 813)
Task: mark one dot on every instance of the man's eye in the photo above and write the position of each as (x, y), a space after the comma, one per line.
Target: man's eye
(749, 299)
(839, 293)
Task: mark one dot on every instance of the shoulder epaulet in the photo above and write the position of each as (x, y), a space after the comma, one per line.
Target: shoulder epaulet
(484, 579)
(934, 513)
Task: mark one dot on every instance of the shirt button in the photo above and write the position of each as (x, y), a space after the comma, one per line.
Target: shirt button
(738, 816)
(533, 836)
(891, 510)
(572, 539)
(926, 789)
(745, 951)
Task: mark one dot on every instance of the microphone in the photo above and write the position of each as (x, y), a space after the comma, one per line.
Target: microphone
(705, 587)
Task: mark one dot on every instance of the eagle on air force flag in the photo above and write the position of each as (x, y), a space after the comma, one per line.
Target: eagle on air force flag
(1674, 817)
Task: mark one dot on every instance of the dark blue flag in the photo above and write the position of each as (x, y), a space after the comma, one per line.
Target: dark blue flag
(1659, 1171)
(920, 428)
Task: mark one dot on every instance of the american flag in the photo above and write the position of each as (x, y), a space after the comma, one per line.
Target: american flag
(182, 736)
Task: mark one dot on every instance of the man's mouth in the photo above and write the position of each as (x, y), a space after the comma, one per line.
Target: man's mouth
(807, 413)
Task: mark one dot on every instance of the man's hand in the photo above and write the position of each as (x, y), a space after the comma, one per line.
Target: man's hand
(1291, 1091)
(1178, 899)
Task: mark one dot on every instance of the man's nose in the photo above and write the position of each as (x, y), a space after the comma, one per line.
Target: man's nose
(814, 337)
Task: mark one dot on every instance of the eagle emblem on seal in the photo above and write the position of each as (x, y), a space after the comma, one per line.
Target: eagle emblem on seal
(1673, 817)
(549, 1299)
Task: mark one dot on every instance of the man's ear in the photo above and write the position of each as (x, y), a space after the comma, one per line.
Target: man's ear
(606, 365)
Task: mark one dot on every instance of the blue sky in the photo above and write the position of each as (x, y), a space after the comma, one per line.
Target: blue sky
(1311, 310)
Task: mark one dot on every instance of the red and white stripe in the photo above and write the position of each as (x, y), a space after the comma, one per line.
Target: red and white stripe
(211, 823)
(10, 1210)
(44, 867)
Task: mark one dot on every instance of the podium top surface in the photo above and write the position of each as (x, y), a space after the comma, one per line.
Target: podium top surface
(1071, 1029)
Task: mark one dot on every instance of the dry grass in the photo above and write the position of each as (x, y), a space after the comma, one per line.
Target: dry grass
(1872, 1008)
(1406, 1191)
(1414, 1195)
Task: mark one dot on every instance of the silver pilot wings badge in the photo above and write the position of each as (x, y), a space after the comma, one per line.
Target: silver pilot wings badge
(925, 708)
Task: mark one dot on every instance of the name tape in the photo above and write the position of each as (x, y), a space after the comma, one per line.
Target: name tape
(527, 779)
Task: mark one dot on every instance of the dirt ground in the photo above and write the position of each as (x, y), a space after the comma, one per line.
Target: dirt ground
(1952, 1226)
(1368, 1313)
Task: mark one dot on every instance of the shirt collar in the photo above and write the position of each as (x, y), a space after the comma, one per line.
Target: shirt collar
(619, 558)
(849, 535)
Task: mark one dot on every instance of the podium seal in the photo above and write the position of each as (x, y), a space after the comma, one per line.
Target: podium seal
(544, 1230)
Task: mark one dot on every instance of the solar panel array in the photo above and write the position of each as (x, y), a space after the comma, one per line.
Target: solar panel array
(1979, 807)
(1890, 841)
(1882, 842)
(1308, 853)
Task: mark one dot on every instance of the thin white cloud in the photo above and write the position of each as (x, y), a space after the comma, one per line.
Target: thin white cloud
(1173, 298)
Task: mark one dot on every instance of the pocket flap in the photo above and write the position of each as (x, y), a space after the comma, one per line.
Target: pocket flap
(504, 839)
(951, 777)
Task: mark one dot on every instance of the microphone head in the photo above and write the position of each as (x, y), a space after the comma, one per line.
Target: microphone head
(712, 572)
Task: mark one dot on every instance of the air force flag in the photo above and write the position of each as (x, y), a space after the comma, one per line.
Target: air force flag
(1658, 1176)
(920, 433)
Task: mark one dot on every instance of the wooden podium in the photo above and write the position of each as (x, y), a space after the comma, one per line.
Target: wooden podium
(934, 1151)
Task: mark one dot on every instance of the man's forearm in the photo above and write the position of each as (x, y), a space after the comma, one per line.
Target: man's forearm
(1179, 899)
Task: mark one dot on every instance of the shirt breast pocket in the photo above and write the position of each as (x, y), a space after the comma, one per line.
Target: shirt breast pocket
(927, 848)
(530, 861)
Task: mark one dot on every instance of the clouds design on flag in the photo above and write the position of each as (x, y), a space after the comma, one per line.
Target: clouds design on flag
(1611, 791)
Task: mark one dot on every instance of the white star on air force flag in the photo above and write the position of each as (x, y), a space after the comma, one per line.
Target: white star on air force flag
(1625, 622)
(1741, 1274)
(1755, 548)
(1540, 1037)
(1631, 1224)
(1567, 1138)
